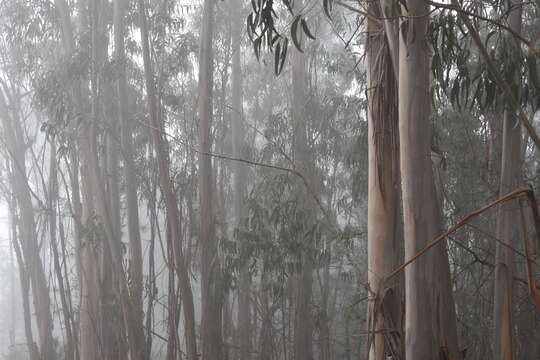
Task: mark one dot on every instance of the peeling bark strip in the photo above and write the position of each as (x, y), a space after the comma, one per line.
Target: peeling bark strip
(385, 252)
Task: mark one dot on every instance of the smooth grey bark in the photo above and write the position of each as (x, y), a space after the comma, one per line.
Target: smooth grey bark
(303, 279)
(211, 289)
(446, 320)
(420, 215)
(239, 181)
(430, 322)
(265, 343)
(33, 350)
(325, 345)
(506, 230)
(12, 237)
(69, 347)
(115, 341)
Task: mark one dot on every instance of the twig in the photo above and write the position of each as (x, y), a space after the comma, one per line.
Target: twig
(514, 194)
(497, 76)
(494, 22)
(255, 163)
(358, 11)
(533, 292)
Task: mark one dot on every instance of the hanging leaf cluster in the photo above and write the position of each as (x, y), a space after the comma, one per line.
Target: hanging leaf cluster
(263, 34)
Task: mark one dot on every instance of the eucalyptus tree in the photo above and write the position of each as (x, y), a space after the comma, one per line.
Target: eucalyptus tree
(211, 283)
(306, 149)
(384, 233)
(507, 230)
(303, 279)
(27, 241)
(135, 251)
(420, 215)
(171, 204)
(238, 138)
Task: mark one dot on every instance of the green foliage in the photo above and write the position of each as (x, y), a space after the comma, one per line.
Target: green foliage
(278, 232)
(264, 34)
(461, 74)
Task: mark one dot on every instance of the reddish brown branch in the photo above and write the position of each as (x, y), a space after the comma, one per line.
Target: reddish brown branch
(519, 192)
(533, 292)
(514, 194)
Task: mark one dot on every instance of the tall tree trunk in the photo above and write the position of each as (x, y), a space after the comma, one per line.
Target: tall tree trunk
(418, 190)
(239, 190)
(69, 348)
(27, 314)
(384, 244)
(114, 337)
(348, 347)
(16, 146)
(507, 230)
(134, 237)
(303, 321)
(325, 345)
(265, 336)
(171, 204)
(151, 283)
(211, 292)
(446, 317)
(12, 237)
(102, 205)
(87, 261)
(33, 350)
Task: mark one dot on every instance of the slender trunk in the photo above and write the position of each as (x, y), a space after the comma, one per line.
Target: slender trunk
(507, 231)
(87, 258)
(171, 204)
(446, 319)
(114, 334)
(134, 237)
(265, 336)
(24, 281)
(303, 321)
(102, 205)
(211, 292)
(495, 122)
(62, 235)
(66, 308)
(325, 346)
(348, 348)
(151, 285)
(28, 236)
(13, 303)
(239, 190)
(172, 310)
(25, 294)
